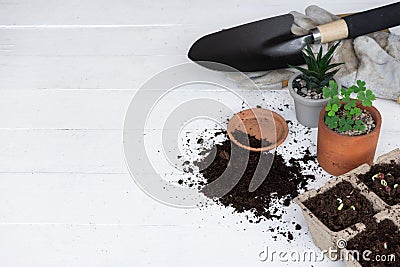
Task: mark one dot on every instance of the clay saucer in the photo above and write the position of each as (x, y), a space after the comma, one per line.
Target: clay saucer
(260, 123)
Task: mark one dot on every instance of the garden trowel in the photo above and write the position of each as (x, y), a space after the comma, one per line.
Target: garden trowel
(269, 43)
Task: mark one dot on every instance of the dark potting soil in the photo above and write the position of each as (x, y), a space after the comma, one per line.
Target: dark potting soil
(356, 208)
(250, 140)
(382, 239)
(282, 183)
(384, 180)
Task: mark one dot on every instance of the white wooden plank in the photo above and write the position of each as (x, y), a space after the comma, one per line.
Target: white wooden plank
(63, 109)
(105, 109)
(77, 146)
(85, 151)
(102, 199)
(62, 151)
(74, 245)
(150, 40)
(87, 72)
(139, 12)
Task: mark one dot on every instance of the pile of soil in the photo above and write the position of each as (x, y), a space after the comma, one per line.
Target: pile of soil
(381, 239)
(299, 85)
(355, 207)
(383, 180)
(282, 183)
(250, 140)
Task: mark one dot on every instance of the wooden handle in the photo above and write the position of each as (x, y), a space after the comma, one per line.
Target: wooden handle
(333, 31)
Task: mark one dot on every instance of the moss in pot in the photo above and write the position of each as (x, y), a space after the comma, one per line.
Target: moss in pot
(306, 87)
(348, 129)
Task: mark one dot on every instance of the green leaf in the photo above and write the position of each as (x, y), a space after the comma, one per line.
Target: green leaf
(347, 127)
(342, 121)
(325, 60)
(370, 95)
(326, 91)
(361, 84)
(361, 95)
(353, 88)
(319, 54)
(331, 66)
(350, 104)
(358, 111)
(328, 107)
(367, 103)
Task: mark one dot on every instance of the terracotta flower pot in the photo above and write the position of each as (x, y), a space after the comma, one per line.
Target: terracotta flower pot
(261, 123)
(338, 153)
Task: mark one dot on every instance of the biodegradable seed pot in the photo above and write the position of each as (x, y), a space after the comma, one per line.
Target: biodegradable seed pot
(376, 245)
(326, 237)
(337, 214)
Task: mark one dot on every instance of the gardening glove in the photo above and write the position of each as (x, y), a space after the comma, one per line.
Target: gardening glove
(379, 63)
(374, 58)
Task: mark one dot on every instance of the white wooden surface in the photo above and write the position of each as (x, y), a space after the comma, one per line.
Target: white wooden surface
(68, 70)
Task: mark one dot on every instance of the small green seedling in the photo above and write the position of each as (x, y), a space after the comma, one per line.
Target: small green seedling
(341, 204)
(319, 68)
(342, 101)
(381, 177)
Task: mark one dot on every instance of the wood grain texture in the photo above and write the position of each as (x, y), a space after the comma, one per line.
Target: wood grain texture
(68, 71)
(333, 31)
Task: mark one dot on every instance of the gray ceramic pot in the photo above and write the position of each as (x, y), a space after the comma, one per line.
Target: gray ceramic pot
(307, 110)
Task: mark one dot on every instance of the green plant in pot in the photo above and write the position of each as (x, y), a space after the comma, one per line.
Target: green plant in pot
(348, 128)
(306, 87)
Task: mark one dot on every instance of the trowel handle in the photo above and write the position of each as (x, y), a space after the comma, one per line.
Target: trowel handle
(359, 24)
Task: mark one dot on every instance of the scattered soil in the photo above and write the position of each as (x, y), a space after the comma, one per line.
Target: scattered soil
(283, 182)
(250, 140)
(299, 85)
(384, 180)
(296, 154)
(355, 207)
(381, 239)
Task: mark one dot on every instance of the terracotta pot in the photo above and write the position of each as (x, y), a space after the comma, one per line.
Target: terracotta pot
(338, 153)
(261, 123)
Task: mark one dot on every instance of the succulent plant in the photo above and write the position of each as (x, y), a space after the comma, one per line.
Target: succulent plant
(319, 68)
